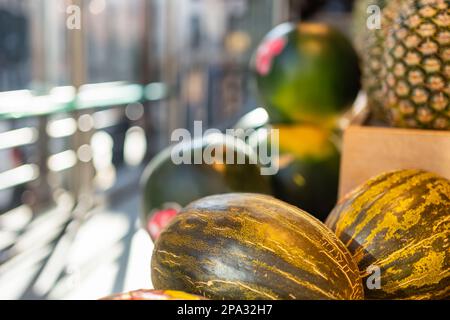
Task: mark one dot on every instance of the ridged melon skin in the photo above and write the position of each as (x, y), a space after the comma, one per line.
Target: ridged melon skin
(399, 221)
(251, 246)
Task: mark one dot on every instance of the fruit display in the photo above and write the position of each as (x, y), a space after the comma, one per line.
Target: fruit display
(252, 246)
(214, 155)
(168, 186)
(399, 222)
(306, 73)
(416, 80)
(388, 239)
(146, 294)
(308, 159)
(370, 43)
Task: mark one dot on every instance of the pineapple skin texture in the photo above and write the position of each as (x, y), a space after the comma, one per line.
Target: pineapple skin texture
(370, 46)
(416, 66)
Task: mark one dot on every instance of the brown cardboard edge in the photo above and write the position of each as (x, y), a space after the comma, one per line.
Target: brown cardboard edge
(388, 133)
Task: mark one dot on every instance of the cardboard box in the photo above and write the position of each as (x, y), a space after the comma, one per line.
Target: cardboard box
(368, 151)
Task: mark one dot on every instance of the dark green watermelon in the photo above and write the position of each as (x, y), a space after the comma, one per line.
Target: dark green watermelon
(167, 187)
(308, 161)
(307, 72)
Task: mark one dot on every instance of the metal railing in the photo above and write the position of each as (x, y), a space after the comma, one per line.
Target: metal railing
(69, 116)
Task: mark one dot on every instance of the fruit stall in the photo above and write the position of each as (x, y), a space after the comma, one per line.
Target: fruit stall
(225, 150)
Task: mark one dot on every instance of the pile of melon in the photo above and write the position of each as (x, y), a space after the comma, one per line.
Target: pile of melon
(388, 239)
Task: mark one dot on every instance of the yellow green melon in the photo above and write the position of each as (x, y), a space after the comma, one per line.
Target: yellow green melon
(399, 222)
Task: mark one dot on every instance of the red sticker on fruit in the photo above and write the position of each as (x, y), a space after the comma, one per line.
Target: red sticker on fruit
(266, 52)
(159, 220)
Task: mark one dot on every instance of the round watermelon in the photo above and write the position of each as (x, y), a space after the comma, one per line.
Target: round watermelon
(168, 186)
(308, 159)
(306, 72)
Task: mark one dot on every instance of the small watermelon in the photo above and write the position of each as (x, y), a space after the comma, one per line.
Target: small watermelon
(306, 72)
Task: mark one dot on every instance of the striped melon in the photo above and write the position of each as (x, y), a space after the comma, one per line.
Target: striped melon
(251, 246)
(399, 222)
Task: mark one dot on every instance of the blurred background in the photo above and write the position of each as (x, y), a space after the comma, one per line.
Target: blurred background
(83, 110)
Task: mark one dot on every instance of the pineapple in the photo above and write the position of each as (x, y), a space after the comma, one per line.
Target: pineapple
(361, 33)
(370, 45)
(416, 71)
